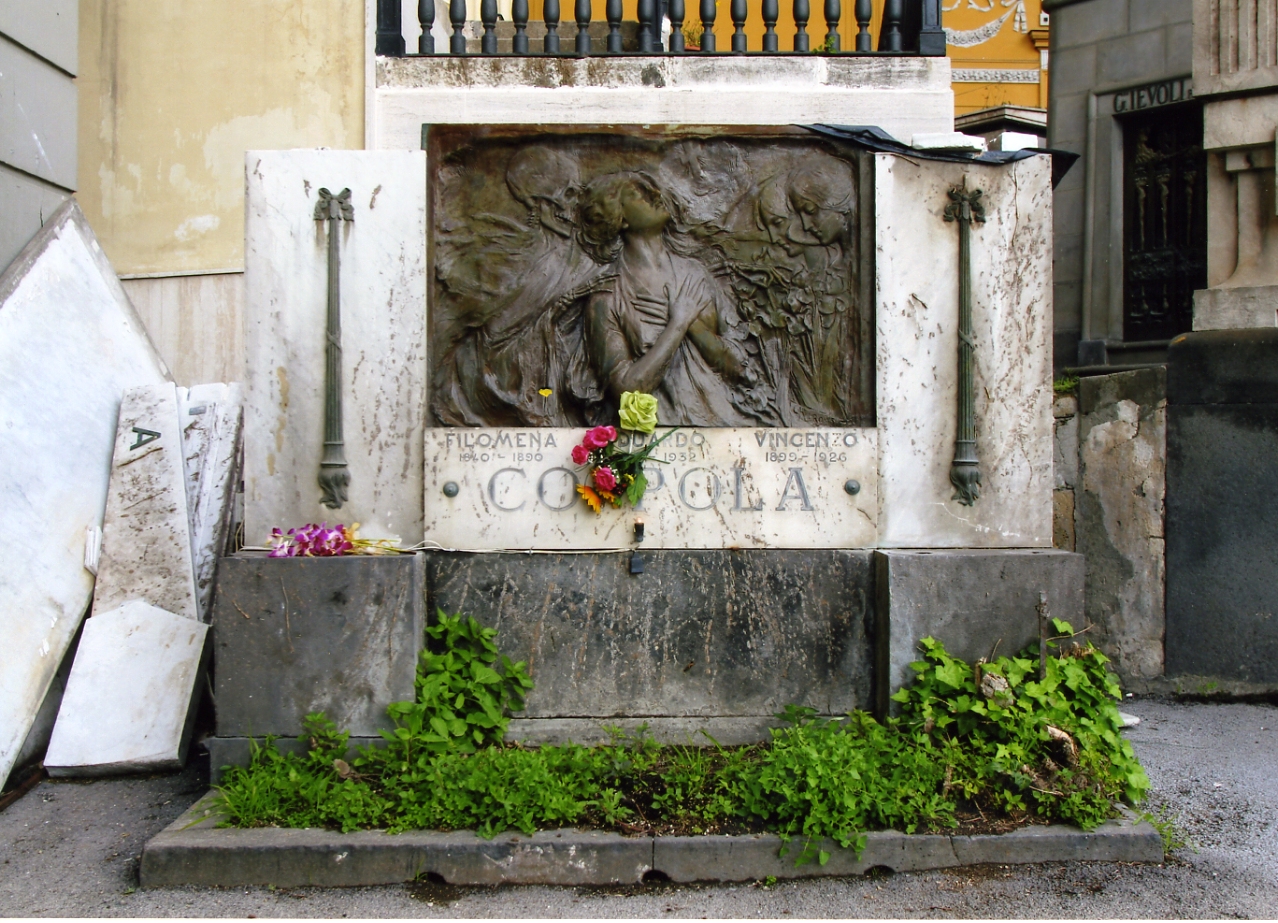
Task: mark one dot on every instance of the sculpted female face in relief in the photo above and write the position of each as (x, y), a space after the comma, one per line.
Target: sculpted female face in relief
(822, 195)
(660, 326)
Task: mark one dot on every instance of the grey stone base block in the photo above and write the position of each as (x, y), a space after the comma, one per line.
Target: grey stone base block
(299, 635)
(974, 601)
(728, 731)
(698, 634)
(192, 851)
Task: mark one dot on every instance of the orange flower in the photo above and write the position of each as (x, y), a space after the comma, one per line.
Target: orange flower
(592, 499)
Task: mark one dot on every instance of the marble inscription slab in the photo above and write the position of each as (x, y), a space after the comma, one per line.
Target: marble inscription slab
(714, 488)
(146, 531)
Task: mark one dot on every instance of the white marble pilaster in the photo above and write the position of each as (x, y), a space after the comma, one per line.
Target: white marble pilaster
(383, 309)
(917, 343)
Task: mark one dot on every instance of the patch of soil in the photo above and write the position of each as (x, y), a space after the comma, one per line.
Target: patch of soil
(434, 891)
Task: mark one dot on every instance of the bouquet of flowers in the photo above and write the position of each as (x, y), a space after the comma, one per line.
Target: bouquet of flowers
(319, 541)
(612, 475)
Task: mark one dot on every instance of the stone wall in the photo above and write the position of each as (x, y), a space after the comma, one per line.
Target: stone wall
(1065, 465)
(1118, 517)
(1101, 48)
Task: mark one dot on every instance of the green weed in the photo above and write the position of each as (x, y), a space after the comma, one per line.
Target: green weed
(994, 737)
(1168, 828)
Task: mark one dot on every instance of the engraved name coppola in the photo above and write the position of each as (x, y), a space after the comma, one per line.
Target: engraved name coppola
(767, 469)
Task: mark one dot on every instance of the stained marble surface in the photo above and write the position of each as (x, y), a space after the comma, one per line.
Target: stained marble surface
(917, 341)
(383, 299)
(146, 532)
(211, 417)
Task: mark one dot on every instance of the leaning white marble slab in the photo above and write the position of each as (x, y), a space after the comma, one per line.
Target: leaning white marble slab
(211, 417)
(146, 533)
(128, 703)
(712, 488)
(70, 343)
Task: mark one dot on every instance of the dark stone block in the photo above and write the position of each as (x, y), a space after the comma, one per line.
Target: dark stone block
(1146, 387)
(298, 635)
(1222, 514)
(699, 633)
(1092, 352)
(1224, 367)
(968, 600)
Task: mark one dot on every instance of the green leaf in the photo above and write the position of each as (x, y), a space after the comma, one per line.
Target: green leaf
(486, 675)
(634, 493)
(954, 674)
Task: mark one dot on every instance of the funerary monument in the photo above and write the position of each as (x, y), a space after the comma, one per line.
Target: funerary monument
(849, 342)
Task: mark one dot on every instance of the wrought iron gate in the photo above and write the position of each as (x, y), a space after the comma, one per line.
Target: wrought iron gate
(1165, 218)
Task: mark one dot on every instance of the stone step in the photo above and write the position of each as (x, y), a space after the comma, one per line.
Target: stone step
(192, 851)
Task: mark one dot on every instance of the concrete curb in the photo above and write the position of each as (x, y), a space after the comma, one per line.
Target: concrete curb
(192, 851)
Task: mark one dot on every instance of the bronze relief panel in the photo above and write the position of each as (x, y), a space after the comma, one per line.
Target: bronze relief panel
(723, 270)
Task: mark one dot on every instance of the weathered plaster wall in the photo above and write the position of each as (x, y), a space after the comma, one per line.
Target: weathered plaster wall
(172, 93)
(1122, 440)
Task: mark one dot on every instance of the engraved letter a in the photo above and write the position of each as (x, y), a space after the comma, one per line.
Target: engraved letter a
(795, 481)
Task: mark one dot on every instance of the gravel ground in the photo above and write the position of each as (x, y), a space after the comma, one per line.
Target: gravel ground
(71, 849)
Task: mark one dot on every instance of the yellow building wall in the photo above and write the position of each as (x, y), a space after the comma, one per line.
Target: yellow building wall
(1000, 35)
(173, 92)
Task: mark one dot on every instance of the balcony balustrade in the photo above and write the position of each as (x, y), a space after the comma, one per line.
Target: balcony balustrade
(905, 27)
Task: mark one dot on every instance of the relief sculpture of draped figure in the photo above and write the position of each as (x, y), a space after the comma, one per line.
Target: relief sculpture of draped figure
(720, 274)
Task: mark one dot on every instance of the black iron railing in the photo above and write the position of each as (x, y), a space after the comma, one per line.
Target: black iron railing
(906, 27)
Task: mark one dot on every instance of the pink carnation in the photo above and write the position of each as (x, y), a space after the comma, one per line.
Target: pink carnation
(580, 454)
(599, 437)
(605, 479)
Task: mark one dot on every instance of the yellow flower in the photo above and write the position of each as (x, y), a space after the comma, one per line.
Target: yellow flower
(545, 392)
(638, 411)
(592, 499)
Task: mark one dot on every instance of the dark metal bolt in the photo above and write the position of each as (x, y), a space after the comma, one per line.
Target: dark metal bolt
(852, 487)
(451, 489)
